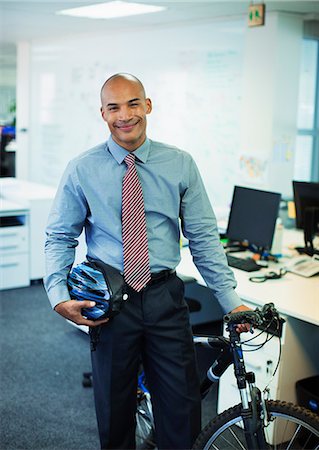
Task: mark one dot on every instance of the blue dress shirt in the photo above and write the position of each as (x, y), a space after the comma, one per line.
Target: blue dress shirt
(89, 196)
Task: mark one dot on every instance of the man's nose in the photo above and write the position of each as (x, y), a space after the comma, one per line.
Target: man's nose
(125, 113)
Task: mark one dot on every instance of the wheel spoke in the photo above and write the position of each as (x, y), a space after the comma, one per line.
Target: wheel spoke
(236, 438)
(293, 438)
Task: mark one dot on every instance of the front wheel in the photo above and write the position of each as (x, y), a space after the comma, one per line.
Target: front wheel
(290, 427)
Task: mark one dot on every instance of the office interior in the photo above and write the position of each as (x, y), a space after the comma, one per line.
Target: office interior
(242, 99)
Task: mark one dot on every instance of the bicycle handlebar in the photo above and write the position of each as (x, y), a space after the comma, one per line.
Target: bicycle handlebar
(256, 317)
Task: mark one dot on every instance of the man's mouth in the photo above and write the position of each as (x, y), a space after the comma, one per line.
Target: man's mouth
(126, 126)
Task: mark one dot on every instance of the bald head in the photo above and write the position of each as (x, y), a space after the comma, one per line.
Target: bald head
(118, 77)
(124, 108)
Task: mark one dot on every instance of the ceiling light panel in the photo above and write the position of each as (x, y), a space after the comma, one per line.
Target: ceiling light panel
(111, 10)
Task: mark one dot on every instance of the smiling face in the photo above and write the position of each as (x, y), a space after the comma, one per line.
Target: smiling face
(124, 109)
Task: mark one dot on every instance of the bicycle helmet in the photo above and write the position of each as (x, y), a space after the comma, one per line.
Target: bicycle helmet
(88, 283)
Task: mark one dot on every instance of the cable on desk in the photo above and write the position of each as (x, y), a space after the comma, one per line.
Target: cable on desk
(268, 276)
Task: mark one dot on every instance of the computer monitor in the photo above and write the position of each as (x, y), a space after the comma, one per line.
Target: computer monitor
(306, 198)
(306, 195)
(253, 216)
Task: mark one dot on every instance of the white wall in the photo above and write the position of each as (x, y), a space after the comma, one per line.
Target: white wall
(7, 83)
(202, 79)
(271, 70)
(24, 156)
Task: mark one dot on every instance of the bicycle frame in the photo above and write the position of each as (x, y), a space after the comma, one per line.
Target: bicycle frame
(252, 414)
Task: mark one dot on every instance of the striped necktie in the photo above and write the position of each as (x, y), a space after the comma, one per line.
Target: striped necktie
(135, 249)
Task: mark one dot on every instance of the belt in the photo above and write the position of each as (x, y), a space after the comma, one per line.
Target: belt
(160, 276)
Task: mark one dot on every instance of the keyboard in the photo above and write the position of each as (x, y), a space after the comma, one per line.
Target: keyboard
(248, 265)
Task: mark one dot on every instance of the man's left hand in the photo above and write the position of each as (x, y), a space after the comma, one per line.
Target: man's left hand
(242, 327)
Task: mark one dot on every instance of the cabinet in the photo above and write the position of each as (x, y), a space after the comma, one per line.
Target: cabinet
(14, 246)
(37, 199)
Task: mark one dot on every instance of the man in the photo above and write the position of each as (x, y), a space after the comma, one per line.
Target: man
(154, 324)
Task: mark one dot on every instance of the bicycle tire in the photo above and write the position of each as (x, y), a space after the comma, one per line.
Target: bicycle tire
(145, 439)
(224, 432)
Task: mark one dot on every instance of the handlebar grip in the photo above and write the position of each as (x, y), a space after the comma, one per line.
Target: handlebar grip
(242, 317)
(256, 317)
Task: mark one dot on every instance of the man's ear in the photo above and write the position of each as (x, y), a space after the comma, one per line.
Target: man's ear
(102, 113)
(148, 105)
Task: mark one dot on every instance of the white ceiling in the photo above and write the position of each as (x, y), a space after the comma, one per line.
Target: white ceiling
(28, 20)
(25, 19)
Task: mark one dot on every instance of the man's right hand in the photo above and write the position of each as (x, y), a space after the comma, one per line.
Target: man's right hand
(71, 310)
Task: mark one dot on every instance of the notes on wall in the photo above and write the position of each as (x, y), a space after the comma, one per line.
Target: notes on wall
(253, 170)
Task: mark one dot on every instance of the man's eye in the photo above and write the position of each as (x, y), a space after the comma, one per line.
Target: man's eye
(134, 104)
(112, 108)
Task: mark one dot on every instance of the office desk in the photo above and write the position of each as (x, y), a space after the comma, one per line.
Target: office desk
(293, 295)
(297, 299)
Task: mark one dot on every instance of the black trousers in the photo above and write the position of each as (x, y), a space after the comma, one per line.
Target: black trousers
(154, 325)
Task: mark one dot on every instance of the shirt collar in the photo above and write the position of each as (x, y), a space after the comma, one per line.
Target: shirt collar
(119, 152)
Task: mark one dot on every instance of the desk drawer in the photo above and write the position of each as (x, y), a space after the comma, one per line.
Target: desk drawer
(14, 240)
(14, 271)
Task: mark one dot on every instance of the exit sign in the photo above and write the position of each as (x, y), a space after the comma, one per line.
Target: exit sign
(256, 15)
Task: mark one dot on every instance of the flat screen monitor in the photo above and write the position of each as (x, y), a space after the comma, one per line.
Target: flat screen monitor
(306, 195)
(253, 216)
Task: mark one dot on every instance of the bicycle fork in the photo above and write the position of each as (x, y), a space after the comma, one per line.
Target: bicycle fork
(252, 410)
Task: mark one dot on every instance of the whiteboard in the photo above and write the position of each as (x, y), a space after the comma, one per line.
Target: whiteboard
(192, 73)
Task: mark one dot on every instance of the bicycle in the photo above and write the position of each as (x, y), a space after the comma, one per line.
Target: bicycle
(257, 423)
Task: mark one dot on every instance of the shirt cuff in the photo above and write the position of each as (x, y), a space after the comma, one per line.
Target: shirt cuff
(58, 293)
(228, 300)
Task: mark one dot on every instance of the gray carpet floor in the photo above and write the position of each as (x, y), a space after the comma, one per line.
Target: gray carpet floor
(43, 404)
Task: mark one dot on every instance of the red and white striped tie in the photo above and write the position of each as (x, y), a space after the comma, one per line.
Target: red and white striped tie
(135, 249)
